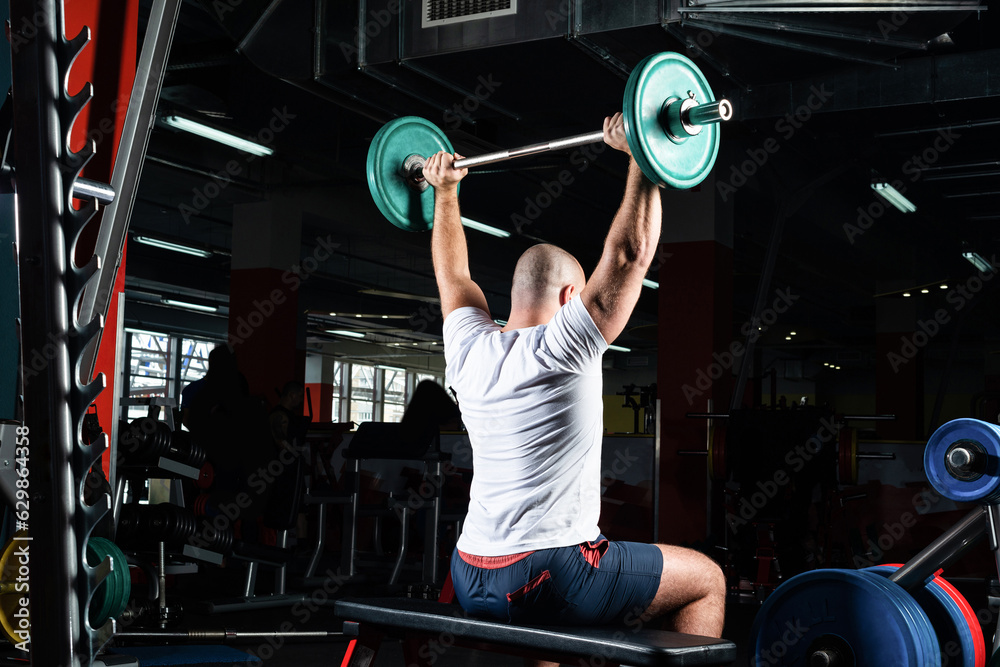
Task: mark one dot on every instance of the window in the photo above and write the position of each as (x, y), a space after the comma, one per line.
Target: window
(394, 394)
(340, 393)
(362, 393)
(150, 368)
(194, 359)
(161, 365)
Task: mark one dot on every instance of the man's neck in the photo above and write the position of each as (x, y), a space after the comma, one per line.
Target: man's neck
(523, 319)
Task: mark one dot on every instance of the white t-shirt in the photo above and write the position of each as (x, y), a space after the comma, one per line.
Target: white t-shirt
(531, 401)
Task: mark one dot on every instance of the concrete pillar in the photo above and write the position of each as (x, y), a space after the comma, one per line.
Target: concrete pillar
(266, 325)
(695, 323)
(319, 382)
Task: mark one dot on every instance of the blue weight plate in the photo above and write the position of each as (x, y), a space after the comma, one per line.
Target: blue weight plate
(403, 206)
(931, 648)
(879, 623)
(665, 160)
(950, 626)
(986, 489)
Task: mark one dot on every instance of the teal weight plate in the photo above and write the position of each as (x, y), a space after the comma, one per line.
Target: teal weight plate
(665, 160)
(112, 594)
(400, 203)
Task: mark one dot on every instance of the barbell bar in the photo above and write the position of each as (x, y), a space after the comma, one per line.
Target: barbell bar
(671, 122)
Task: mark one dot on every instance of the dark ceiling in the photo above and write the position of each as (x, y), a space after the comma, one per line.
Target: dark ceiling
(896, 81)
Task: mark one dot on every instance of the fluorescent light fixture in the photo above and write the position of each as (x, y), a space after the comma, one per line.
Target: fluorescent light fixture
(190, 306)
(792, 333)
(619, 348)
(893, 196)
(944, 286)
(788, 337)
(485, 229)
(906, 294)
(826, 363)
(239, 143)
(176, 247)
(978, 261)
(925, 291)
(344, 332)
(400, 295)
(651, 284)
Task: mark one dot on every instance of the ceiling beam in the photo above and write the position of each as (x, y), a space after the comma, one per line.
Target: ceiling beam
(939, 78)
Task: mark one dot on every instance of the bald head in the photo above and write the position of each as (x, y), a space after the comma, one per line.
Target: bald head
(541, 275)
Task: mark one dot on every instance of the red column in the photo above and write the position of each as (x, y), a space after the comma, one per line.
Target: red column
(695, 335)
(109, 63)
(264, 313)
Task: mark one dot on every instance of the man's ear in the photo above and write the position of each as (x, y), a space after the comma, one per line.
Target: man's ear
(566, 294)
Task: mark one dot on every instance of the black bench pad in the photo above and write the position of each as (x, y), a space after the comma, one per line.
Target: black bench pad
(643, 648)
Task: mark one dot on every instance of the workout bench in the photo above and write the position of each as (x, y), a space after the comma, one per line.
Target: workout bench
(429, 628)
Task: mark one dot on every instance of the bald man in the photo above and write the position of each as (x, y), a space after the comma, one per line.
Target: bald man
(530, 392)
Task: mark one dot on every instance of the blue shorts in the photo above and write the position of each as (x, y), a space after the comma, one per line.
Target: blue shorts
(593, 583)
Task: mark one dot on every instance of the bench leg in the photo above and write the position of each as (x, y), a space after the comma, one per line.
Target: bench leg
(419, 650)
(362, 650)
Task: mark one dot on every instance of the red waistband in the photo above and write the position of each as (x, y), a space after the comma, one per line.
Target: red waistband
(492, 562)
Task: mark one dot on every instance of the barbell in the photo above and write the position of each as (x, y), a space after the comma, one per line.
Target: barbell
(671, 123)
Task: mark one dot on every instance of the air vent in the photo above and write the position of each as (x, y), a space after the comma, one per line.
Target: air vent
(443, 12)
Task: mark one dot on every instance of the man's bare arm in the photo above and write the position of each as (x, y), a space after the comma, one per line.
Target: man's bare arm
(629, 248)
(448, 247)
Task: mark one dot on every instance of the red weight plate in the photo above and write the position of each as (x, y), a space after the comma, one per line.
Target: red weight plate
(970, 617)
(978, 641)
(205, 476)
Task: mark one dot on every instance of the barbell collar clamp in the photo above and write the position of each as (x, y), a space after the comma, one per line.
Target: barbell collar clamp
(683, 118)
(413, 172)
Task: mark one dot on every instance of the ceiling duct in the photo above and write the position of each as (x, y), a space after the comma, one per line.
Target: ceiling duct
(443, 12)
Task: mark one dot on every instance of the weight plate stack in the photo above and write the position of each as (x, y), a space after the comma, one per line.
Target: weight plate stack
(855, 617)
(941, 602)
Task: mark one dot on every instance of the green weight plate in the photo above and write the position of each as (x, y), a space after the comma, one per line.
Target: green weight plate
(112, 594)
(398, 201)
(676, 163)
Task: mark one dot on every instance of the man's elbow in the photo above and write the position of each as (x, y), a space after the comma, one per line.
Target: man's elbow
(635, 254)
